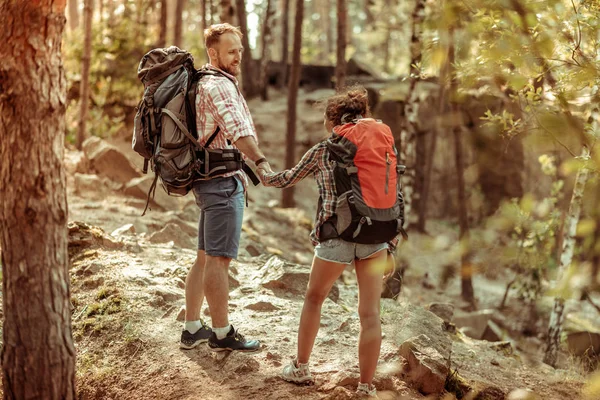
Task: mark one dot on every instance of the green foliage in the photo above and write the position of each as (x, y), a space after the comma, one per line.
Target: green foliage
(527, 228)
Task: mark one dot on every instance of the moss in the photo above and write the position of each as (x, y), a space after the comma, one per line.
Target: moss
(111, 305)
(457, 385)
(105, 292)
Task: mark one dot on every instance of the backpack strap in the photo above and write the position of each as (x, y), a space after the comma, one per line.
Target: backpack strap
(182, 127)
(212, 137)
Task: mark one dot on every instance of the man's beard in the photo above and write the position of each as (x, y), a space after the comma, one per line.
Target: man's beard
(231, 70)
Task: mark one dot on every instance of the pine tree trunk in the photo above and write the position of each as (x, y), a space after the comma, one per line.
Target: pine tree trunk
(178, 40)
(38, 355)
(162, 32)
(227, 12)
(73, 14)
(370, 19)
(88, 12)
(212, 11)
(248, 76)
(265, 52)
(285, 32)
(342, 21)
(466, 269)
(287, 199)
(566, 257)
(204, 14)
(411, 112)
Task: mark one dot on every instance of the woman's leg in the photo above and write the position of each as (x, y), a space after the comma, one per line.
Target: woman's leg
(323, 275)
(369, 273)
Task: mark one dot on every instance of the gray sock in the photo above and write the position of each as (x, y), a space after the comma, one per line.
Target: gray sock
(192, 326)
(221, 332)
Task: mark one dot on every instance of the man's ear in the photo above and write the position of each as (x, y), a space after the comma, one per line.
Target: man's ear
(212, 53)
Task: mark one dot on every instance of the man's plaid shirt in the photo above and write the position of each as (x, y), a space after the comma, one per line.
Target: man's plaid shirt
(316, 162)
(219, 102)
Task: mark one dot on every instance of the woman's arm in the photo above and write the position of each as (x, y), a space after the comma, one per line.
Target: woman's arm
(289, 177)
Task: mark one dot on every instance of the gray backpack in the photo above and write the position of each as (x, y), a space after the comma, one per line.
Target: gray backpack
(164, 132)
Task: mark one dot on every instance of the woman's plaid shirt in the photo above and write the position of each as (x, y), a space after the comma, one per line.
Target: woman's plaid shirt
(316, 162)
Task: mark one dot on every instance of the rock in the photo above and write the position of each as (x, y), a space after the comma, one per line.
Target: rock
(340, 393)
(172, 232)
(82, 235)
(422, 341)
(345, 378)
(492, 332)
(426, 368)
(88, 183)
(503, 347)
(490, 393)
(181, 314)
(583, 343)
(476, 322)
(128, 229)
(76, 162)
(189, 228)
(264, 306)
(443, 310)
(522, 394)
(167, 294)
(282, 278)
(108, 161)
(247, 365)
(139, 187)
(252, 250)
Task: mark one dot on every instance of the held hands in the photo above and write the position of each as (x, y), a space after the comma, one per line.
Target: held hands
(262, 169)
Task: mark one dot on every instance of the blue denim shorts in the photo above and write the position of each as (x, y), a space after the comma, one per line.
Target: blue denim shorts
(343, 252)
(221, 202)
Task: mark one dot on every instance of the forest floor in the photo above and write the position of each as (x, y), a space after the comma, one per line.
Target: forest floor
(127, 291)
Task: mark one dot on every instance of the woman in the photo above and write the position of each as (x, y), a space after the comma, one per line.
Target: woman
(333, 255)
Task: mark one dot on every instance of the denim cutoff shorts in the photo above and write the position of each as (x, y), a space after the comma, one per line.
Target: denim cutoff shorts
(343, 252)
(221, 203)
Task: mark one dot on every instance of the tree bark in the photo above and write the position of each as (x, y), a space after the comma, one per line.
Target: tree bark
(287, 199)
(204, 14)
(88, 11)
(248, 76)
(227, 12)
(178, 40)
(266, 54)
(212, 11)
(162, 31)
(285, 31)
(38, 355)
(466, 269)
(566, 257)
(73, 14)
(342, 21)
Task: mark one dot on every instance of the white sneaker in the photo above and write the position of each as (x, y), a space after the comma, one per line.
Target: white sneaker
(365, 389)
(297, 373)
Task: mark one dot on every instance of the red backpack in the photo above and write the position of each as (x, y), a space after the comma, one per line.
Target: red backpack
(370, 206)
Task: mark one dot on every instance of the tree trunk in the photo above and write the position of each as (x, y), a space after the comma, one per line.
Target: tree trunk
(178, 40)
(285, 31)
(204, 14)
(88, 12)
(248, 77)
(328, 28)
(287, 199)
(38, 355)
(227, 12)
(411, 112)
(101, 10)
(466, 269)
(557, 316)
(370, 22)
(73, 14)
(162, 32)
(212, 11)
(266, 54)
(340, 68)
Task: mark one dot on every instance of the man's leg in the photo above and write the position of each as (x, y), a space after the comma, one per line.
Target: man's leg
(194, 288)
(216, 276)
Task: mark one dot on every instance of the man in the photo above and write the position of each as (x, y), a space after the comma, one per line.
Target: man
(219, 104)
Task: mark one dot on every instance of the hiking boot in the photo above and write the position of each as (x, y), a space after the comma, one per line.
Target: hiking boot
(190, 340)
(234, 341)
(365, 389)
(297, 373)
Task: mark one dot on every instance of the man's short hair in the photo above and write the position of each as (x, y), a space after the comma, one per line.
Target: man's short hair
(213, 33)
